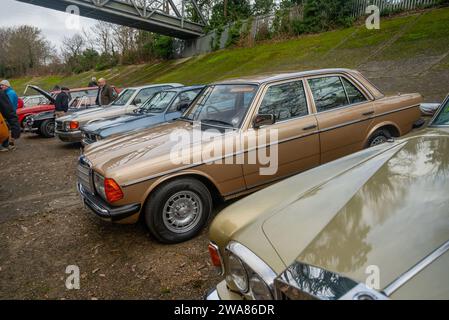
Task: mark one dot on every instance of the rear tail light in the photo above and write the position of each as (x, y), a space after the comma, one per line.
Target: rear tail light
(215, 256)
(112, 190)
(74, 125)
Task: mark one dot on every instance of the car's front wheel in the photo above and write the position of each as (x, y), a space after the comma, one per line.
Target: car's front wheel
(178, 210)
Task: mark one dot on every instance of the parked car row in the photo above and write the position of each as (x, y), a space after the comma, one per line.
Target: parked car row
(336, 190)
(40, 118)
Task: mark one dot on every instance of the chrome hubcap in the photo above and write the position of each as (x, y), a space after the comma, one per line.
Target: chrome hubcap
(378, 140)
(182, 211)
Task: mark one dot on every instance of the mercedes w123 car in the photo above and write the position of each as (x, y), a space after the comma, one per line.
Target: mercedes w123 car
(318, 116)
(372, 225)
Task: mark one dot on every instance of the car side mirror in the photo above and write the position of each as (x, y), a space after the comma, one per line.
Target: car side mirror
(264, 120)
(182, 106)
(137, 101)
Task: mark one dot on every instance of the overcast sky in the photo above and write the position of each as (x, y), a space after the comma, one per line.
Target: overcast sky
(51, 22)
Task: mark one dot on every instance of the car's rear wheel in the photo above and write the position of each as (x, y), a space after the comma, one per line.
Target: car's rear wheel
(178, 210)
(378, 137)
(47, 128)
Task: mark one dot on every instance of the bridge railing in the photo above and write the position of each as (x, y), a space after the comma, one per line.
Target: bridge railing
(177, 8)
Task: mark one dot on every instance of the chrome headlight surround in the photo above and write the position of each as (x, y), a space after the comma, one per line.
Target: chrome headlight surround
(99, 185)
(259, 276)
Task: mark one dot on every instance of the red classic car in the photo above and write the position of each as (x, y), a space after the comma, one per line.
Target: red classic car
(79, 93)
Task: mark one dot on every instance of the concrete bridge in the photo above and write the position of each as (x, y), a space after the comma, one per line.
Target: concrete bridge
(159, 16)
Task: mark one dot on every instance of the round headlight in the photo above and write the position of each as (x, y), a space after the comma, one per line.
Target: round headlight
(259, 289)
(238, 273)
(99, 185)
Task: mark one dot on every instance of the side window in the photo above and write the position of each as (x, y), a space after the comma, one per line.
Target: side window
(174, 105)
(285, 101)
(147, 93)
(354, 94)
(183, 98)
(328, 93)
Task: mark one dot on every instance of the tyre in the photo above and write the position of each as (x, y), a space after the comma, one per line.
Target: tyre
(178, 210)
(378, 137)
(47, 128)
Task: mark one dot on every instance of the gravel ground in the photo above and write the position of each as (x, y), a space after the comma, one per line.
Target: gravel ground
(44, 228)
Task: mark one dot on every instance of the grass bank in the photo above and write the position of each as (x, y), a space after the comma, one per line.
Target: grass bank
(412, 45)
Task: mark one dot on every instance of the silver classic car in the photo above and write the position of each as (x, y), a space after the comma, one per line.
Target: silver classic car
(68, 127)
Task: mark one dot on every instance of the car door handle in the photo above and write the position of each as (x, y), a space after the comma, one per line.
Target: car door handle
(309, 127)
(368, 113)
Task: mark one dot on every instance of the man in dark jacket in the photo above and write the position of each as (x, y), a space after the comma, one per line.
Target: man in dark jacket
(93, 83)
(8, 112)
(105, 93)
(62, 102)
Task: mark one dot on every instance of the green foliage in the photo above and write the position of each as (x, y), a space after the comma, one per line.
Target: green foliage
(234, 33)
(106, 61)
(163, 47)
(216, 40)
(322, 15)
(234, 11)
(262, 7)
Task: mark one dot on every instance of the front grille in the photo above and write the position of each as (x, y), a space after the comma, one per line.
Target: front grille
(84, 173)
(90, 137)
(60, 125)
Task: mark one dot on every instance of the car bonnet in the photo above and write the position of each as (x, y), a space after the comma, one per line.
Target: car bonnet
(390, 212)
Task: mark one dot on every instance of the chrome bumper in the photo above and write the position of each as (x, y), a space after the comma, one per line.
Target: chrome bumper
(212, 295)
(72, 136)
(104, 210)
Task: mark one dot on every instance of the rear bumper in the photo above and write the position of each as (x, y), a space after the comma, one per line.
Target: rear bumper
(73, 136)
(103, 210)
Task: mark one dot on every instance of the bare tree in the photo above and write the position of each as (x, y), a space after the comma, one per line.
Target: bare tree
(73, 46)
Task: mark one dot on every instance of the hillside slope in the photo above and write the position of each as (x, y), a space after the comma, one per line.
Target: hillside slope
(408, 53)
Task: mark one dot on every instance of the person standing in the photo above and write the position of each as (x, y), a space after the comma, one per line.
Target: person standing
(62, 102)
(93, 83)
(9, 114)
(105, 94)
(12, 95)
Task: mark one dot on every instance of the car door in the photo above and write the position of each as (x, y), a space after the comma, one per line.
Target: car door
(297, 147)
(344, 113)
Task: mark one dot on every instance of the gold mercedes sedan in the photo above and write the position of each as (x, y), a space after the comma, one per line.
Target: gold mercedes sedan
(371, 225)
(238, 136)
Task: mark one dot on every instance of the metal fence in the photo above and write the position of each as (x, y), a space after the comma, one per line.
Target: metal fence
(392, 5)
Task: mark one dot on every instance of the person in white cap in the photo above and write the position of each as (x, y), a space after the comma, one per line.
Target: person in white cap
(93, 83)
(5, 86)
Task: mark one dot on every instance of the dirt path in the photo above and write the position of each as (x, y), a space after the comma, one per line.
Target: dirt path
(44, 228)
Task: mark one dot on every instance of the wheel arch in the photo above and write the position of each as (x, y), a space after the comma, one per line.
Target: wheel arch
(200, 176)
(392, 127)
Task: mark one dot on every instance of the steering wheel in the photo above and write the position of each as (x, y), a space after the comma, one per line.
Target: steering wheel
(213, 108)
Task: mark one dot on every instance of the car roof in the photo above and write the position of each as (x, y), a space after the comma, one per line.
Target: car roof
(261, 79)
(155, 85)
(187, 88)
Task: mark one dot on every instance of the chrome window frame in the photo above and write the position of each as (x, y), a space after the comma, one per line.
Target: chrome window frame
(437, 113)
(349, 105)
